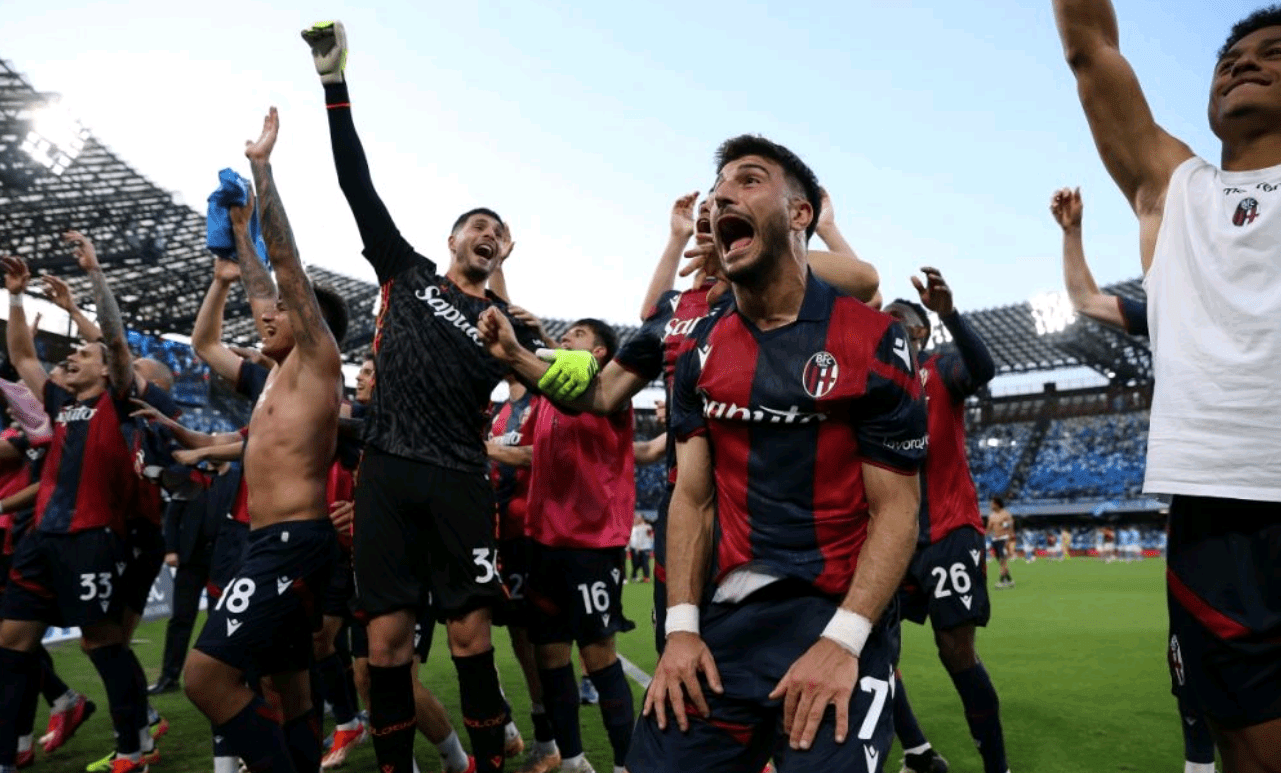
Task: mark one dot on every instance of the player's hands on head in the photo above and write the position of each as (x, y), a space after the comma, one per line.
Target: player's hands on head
(935, 294)
(825, 675)
(58, 292)
(683, 216)
(328, 41)
(505, 244)
(260, 150)
(82, 250)
(703, 257)
(826, 215)
(16, 274)
(685, 656)
(1067, 208)
(341, 515)
(497, 333)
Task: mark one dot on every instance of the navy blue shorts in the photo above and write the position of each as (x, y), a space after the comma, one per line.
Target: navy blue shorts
(1223, 583)
(269, 610)
(424, 631)
(342, 588)
(513, 565)
(146, 546)
(754, 644)
(66, 580)
(575, 594)
(947, 582)
(228, 554)
(998, 548)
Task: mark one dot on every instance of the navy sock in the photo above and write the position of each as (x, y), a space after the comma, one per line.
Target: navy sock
(302, 736)
(617, 708)
(142, 718)
(1198, 742)
(254, 736)
(333, 682)
(391, 717)
(484, 709)
(27, 709)
(905, 725)
(115, 665)
(983, 714)
(52, 687)
(18, 674)
(542, 727)
(560, 696)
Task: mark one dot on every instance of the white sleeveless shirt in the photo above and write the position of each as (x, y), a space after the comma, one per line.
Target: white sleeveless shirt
(1214, 309)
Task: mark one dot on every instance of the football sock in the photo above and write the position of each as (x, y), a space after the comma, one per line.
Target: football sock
(256, 737)
(27, 711)
(560, 695)
(53, 687)
(542, 724)
(617, 708)
(302, 736)
(143, 716)
(905, 724)
(484, 709)
(983, 714)
(115, 664)
(391, 716)
(224, 761)
(452, 756)
(333, 683)
(1198, 743)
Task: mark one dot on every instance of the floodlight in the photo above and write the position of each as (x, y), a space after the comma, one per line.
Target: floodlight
(1051, 312)
(55, 138)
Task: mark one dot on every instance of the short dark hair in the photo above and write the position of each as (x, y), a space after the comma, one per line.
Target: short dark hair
(920, 312)
(799, 174)
(333, 307)
(1269, 16)
(998, 502)
(464, 217)
(605, 334)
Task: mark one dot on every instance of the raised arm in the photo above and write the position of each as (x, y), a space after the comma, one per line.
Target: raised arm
(206, 336)
(385, 249)
(682, 228)
(22, 347)
(259, 287)
(113, 327)
(1082, 291)
(842, 268)
(60, 296)
(1138, 153)
(186, 437)
(313, 342)
(974, 367)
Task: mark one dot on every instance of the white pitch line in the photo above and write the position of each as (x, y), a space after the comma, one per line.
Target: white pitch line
(637, 675)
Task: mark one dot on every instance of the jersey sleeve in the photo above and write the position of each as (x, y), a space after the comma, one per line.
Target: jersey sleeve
(643, 354)
(891, 420)
(971, 366)
(686, 411)
(1135, 315)
(54, 398)
(251, 380)
(385, 249)
(161, 400)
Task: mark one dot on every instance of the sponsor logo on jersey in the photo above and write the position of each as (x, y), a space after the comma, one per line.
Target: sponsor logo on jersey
(76, 413)
(680, 327)
(448, 312)
(820, 374)
(914, 444)
(713, 409)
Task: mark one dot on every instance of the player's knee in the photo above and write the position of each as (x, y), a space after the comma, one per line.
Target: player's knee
(599, 655)
(956, 648)
(552, 656)
(469, 635)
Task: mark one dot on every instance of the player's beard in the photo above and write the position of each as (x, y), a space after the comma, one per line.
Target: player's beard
(771, 248)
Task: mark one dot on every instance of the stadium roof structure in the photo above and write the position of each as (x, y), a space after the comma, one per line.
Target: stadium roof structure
(56, 176)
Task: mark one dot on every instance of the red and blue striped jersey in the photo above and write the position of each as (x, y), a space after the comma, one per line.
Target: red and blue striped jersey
(510, 427)
(792, 414)
(88, 480)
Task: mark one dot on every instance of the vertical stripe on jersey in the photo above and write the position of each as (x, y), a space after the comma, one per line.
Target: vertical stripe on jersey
(384, 302)
(732, 443)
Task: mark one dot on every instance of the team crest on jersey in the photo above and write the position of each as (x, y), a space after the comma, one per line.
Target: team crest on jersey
(820, 374)
(1247, 212)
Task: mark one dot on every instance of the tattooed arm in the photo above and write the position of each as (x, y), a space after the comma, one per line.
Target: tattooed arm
(120, 366)
(258, 285)
(313, 341)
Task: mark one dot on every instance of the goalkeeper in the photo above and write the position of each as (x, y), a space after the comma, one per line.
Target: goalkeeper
(424, 507)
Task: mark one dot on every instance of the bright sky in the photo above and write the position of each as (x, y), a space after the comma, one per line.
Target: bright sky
(940, 128)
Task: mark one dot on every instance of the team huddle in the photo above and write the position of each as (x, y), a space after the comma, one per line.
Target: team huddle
(818, 491)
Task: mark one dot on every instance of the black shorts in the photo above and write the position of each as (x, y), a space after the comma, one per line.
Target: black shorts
(424, 631)
(947, 582)
(5, 562)
(575, 594)
(421, 529)
(341, 589)
(146, 546)
(754, 644)
(1224, 592)
(66, 580)
(998, 548)
(228, 555)
(269, 610)
(513, 563)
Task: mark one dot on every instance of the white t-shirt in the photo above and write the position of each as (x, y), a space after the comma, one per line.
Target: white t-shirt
(642, 537)
(1214, 309)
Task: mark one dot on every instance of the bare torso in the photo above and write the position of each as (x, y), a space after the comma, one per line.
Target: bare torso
(1001, 524)
(293, 434)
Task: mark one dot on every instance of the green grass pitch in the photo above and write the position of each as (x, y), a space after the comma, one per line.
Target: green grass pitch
(1076, 651)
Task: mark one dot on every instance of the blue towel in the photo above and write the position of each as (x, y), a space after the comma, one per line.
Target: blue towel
(233, 191)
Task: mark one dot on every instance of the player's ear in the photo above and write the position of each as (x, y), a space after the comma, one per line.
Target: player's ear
(451, 243)
(802, 213)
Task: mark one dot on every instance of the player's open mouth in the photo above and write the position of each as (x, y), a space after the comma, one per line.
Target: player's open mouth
(735, 233)
(485, 250)
(71, 369)
(704, 225)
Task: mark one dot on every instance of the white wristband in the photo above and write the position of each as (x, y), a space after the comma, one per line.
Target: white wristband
(849, 629)
(681, 618)
(15, 300)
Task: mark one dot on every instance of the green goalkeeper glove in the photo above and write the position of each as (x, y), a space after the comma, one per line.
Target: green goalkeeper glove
(328, 41)
(570, 374)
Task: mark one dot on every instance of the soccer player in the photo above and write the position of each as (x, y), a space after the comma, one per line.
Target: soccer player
(947, 579)
(66, 571)
(1065, 544)
(424, 506)
(1000, 523)
(1208, 248)
(267, 613)
(800, 428)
